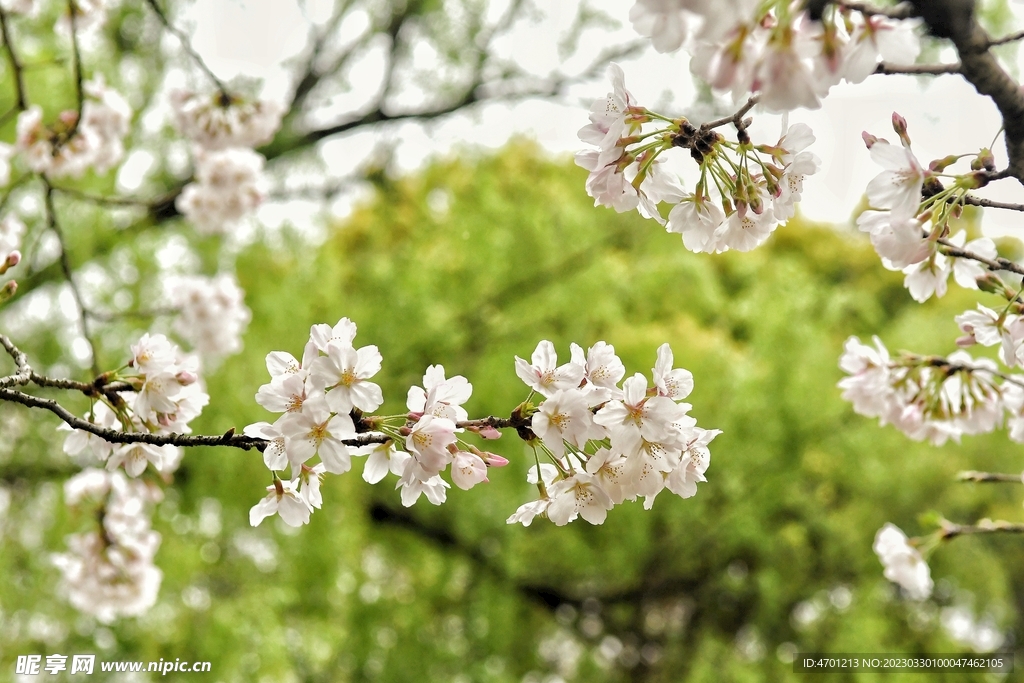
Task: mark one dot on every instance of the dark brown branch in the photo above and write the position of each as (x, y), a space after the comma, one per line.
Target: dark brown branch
(187, 46)
(16, 67)
(79, 87)
(989, 477)
(736, 119)
(996, 264)
(65, 265)
(901, 11)
(1006, 39)
(985, 526)
(917, 69)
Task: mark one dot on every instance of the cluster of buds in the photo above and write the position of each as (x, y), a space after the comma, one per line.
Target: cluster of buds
(743, 192)
(912, 207)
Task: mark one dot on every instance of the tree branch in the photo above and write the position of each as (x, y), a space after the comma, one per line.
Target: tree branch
(187, 46)
(736, 119)
(65, 265)
(989, 477)
(917, 69)
(16, 67)
(955, 19)
(990, 204)
(985, 526)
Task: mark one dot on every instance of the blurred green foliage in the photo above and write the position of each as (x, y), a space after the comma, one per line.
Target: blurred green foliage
(467, 264)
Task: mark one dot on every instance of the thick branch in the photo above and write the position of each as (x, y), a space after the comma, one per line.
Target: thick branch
(955, 19)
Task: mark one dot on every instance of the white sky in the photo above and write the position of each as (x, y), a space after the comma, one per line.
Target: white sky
(945, 115)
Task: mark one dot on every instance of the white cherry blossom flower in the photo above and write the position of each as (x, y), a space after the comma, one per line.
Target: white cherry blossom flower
(545, 376)
(283, 363)
(282, 499)
(428, 444)
(898, 187)
(284, 394)
(565, 416)
(275, 455)
(903, 563)
(698, 221)
(527, 512)
(578, 496)
(675, 383)
(875, 37)
(439, 396)
(212, 312)
(322, 334)
(314, 430)
(345, 372)
(381, 458)
(468, 470)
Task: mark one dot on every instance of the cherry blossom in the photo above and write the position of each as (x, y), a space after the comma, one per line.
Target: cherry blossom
(903, 563)
(282, 499)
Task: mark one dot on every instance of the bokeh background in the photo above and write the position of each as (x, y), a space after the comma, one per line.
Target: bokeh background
(467, 261)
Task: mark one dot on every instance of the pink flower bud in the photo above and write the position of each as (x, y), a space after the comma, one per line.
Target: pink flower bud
(14, 258)
(869, 139)
(899, 124)
(186, 377)
(966, 340)
(8, 290)
(489, 432)
(490, 459)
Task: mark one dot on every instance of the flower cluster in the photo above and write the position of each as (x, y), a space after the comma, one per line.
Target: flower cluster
(608, 443)
(109, 573)
(930, 397)
(605, 443)
(903, 562)
(743, 192)
(167, 395)
(229, 174)
(220, 121)
(912, 233)
(71, 146)
(228, 187)
(325, 396)
(212, 312)
(775, 48)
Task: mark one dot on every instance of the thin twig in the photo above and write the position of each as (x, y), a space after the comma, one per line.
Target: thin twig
(917, 69)
(998, 263)
(79, 87)
(187, 46)
(990, 204)
(111, 201)
(1006, 39)
(12, 57)
(989, 477)
(985, 526)
(65, 264)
